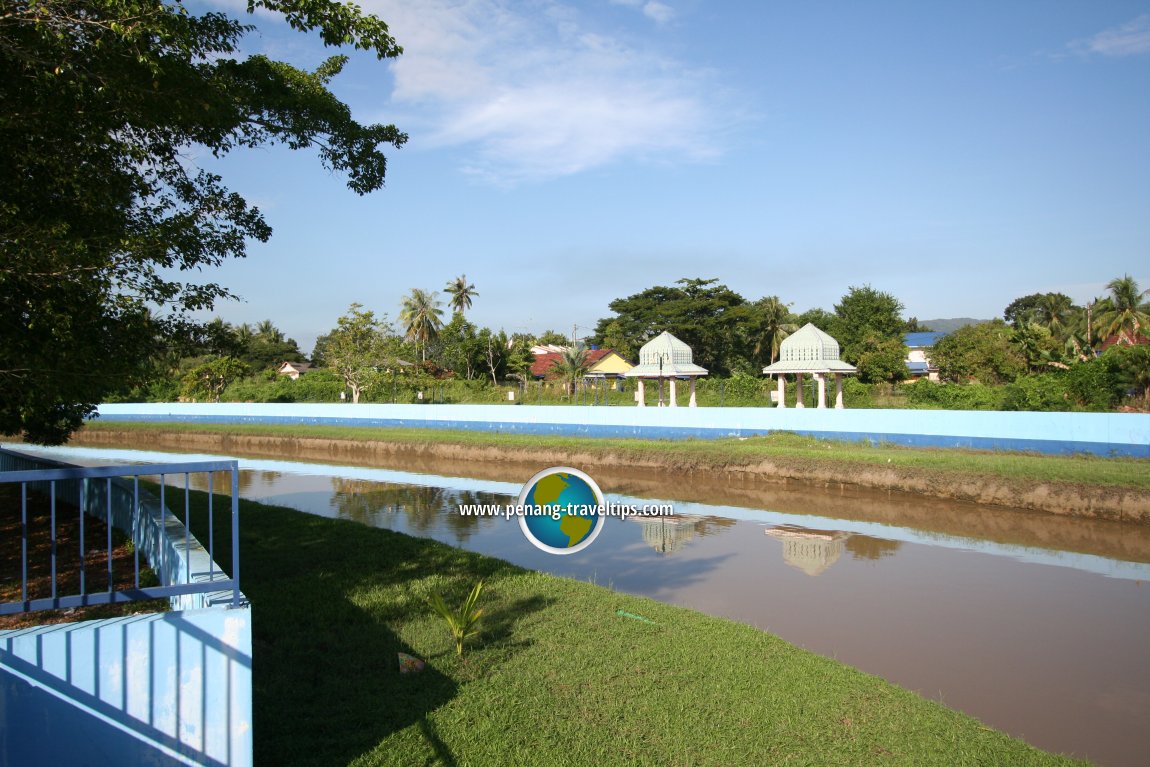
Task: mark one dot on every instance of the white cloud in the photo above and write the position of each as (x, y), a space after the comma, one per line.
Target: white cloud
(1130, 39)
(532, 91)
(658, 12)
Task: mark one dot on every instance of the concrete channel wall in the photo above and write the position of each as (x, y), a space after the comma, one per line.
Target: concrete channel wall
(170, 688)
(1105, 434)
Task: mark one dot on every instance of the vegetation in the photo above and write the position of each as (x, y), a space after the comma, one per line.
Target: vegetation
(464, 622)
(1043, 357)
(556, 677)
(461, 292)
(104, 105)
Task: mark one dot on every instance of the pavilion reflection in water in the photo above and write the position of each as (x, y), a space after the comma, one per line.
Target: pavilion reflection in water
(667, 535)
(812, 551)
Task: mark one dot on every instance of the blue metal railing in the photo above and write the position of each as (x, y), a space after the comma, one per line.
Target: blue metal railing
(113, 494)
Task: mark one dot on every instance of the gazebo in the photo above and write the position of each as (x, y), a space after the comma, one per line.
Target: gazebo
(665, 356)
(810, 350)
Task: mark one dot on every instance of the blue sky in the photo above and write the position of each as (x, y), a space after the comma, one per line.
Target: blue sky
(564, 154)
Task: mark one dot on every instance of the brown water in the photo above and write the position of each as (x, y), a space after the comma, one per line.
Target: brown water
(1036, 625)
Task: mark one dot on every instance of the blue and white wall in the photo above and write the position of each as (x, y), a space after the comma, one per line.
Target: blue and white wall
(169, 688)
(1119, 434)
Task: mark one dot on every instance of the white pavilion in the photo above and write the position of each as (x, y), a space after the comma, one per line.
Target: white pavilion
(810, 350)
(665, 357)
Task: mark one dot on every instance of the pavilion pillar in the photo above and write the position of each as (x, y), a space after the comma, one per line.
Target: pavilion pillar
(641, 399)
(799, 385)
(781, 388)
(838, 391)
(674, 395)
(662, 402)
(822, 379)
(692, 403)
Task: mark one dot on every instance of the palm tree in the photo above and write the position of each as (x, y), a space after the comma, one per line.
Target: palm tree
(269, 332)
(1126, 316)
(572, 366)
(461, 293)
(421, 316)
(1052, 312)
(773, 326)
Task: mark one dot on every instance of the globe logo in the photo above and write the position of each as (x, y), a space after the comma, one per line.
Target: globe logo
(563, 510)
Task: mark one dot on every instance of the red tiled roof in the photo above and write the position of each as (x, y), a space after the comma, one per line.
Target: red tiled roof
(1138, 339)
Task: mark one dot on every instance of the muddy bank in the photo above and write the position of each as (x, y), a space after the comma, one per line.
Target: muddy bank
(768, 484)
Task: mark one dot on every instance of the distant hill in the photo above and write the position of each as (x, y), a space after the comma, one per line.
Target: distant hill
(949, 326)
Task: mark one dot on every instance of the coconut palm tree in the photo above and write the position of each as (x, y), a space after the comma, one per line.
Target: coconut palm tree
(461, 293)
(1126, 316)
(1053, 311)
(421, 317)
(773, 327)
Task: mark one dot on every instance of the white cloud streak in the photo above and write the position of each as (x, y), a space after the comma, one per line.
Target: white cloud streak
(531, 91)
(1130, 39)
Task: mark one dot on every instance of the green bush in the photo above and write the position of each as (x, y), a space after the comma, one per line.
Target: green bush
(1045, 392)
(940, 396)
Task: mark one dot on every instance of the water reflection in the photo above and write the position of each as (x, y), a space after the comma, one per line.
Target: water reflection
(811, 551)
(424, 509)
(667, 535)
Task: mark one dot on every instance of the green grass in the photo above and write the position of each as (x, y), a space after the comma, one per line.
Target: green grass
(556, 676)
(720, 453)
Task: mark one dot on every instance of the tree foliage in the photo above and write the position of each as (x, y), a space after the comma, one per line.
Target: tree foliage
(356, 349)
(461, 292)
(708, 317)
(982, 353)
(104, 103)
(421, 317)
(864, 314)
(210, 377)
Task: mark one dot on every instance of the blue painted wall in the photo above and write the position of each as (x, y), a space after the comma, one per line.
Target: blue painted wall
(154, 689)
(1123, 434)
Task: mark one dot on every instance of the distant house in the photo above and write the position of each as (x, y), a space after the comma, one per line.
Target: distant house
(1116, 340)
(918, 362)
(602, 363)
(294, 370)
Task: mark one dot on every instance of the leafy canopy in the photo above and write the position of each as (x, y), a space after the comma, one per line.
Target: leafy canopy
(105, 102)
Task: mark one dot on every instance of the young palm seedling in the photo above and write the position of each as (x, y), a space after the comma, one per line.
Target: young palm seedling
(463, 622)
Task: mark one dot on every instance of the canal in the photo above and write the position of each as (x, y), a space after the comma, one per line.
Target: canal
(1035, 624)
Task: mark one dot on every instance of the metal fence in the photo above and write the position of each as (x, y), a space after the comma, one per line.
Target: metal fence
(188, 574)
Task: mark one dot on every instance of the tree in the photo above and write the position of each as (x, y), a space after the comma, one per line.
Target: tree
(104, 104)
(1134, 370)
(355, 349)
(461, 293)
(458, 347)
(495, 347)
(881, 359)
(1126, 316)
(551, 338)
(864, 313)
(706, 316)
(421, 318)
(770, 326)
(981, 352)
(1053, 311)
(212, 376)
(572, 366)
(820, 318)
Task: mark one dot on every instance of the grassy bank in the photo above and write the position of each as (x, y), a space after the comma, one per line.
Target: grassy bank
(807, 453)
(557, 676)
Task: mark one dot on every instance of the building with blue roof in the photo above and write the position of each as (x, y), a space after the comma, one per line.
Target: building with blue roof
(918, 346)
